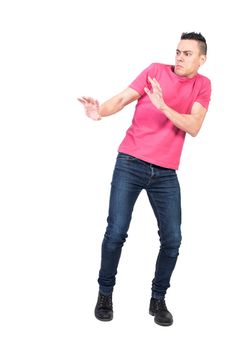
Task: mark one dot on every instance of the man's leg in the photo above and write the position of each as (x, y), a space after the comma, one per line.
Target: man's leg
(124, 193)
(164, 196)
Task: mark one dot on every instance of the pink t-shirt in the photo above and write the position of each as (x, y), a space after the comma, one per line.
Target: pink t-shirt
(152, 137)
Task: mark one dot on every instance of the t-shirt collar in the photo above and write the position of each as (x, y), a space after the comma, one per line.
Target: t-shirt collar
(180, 78)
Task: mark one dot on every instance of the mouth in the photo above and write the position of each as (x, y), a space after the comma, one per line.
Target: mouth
(178, 66)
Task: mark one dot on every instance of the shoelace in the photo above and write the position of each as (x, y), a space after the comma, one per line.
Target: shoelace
(105, 301)
(161, 305)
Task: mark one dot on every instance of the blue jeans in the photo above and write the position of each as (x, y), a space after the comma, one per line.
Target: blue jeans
(130, 176)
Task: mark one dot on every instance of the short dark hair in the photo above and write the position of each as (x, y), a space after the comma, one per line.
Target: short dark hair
(199, 38)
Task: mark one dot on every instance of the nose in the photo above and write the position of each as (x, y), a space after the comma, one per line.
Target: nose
(179, 57)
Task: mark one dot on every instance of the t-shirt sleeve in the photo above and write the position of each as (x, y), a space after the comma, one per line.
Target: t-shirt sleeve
(141, 80)
(204, 94)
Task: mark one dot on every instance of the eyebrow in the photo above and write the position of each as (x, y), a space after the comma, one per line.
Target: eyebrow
(186, 51)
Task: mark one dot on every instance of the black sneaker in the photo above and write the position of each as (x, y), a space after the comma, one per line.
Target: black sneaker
(158, 309)
(104, 308)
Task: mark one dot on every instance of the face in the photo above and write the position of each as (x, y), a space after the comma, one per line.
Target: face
(188, 58)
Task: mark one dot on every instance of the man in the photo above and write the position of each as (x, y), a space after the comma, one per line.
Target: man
(172, 101)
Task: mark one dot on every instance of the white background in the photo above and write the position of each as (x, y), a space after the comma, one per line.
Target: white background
(56, 167)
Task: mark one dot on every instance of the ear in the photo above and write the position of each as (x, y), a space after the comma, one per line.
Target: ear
(202, 59)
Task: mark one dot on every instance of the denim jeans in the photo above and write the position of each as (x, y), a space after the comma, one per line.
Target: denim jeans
(130, 177)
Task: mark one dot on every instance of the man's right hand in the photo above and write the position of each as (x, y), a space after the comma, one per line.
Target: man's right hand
(91, 107)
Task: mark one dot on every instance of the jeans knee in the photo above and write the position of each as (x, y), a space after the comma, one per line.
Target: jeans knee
(171, 252)
(171, 249)
(114, 238)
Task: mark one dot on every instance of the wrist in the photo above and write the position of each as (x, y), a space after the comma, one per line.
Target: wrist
(165, 109)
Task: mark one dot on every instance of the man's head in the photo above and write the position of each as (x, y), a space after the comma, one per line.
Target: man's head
(190, 54)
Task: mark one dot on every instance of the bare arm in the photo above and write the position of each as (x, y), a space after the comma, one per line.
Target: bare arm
(111, 106)
(118, 102)
(190, 123)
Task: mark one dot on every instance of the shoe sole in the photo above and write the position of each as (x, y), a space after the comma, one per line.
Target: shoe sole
(103, 320)
(163, 324)
(159, 323)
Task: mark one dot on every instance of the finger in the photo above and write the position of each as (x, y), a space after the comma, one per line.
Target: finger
(154, 83)
(83, 99)
(147, 90)
(88, 99)
(80, 99)
(157, 84)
